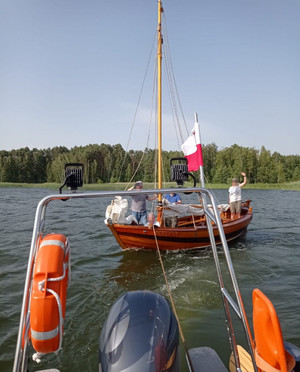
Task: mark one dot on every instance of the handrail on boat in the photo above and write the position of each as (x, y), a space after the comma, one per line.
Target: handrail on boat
(20, 361)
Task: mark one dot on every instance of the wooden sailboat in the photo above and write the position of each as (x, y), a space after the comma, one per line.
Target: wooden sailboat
(189, 234)
(191, 231)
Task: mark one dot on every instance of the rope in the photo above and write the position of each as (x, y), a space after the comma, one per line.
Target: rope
(137, 168)
(41, 287)
(61, 319)
(137, 108)
(166, 47)
(148, 136)
(36, 357)
(173, 304)
(208, 186)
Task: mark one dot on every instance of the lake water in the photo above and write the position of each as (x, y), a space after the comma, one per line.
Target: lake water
(268, 257)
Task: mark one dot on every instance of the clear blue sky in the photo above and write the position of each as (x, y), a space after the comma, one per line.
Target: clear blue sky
(71, 70)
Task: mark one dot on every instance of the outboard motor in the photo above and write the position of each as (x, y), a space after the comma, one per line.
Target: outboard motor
(140, 334)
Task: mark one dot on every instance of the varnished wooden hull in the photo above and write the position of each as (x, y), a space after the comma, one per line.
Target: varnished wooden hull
(178, 238)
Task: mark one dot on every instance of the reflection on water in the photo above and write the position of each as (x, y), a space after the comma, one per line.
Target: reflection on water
(267, 257)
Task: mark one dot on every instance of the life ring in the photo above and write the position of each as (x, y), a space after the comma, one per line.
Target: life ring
(49, 292)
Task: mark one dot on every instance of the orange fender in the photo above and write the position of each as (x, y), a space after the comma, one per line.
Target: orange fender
(49, 292)
(269, 349)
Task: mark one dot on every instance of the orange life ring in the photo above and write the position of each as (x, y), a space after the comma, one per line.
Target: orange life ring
(270, 354)
(49, 293)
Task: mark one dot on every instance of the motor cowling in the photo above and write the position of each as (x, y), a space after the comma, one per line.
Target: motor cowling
(140, 334)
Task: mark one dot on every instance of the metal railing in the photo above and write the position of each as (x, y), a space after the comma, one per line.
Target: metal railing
(227, 299)
(20, 361)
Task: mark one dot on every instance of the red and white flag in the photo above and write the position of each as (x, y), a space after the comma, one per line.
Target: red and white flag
(192, 149)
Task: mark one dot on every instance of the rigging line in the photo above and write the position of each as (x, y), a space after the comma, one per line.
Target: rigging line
(208, 186)
(175, 119)
(149, 129)
(172, 302)
(174, 110)
(163, 171)
(206, 180)
(171, 65)
(135, 172)
(172, 94)
(138, 104)
(152, 104)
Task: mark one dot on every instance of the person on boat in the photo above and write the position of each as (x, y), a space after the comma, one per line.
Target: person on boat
(235, 197)
(138, 206)
(173, 198)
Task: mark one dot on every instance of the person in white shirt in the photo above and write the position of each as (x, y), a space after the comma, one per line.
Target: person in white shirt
(235, 197)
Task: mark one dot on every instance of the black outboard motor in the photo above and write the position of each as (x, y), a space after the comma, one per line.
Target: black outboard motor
(140, 334)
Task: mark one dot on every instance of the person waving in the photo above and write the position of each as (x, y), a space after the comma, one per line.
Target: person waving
(235, 197)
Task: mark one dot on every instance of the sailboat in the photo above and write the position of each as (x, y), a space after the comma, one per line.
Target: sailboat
(190, 230)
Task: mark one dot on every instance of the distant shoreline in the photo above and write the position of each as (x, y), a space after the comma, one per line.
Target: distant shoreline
(121, 186)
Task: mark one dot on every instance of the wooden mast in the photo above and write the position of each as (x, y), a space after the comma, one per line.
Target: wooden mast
(159, 99)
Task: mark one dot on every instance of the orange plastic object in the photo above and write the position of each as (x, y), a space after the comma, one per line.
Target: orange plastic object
(44, 308)
(268, 336)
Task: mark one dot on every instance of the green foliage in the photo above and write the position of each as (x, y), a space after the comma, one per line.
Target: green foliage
(105, 163)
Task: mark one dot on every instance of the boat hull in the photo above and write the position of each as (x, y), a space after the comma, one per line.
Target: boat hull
(178, 238)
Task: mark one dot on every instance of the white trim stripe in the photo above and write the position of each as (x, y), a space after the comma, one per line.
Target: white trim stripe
(59, 243)
(42, 336)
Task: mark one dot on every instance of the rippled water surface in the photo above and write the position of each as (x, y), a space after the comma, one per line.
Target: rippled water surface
(268, 257)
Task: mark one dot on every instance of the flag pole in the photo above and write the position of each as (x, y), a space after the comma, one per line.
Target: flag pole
(201, 166)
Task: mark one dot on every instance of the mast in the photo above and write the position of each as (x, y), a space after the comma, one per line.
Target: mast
(159, 99)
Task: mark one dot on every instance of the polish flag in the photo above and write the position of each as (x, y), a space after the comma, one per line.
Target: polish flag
(192, 149)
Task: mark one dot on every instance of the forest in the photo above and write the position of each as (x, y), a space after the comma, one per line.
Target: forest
(106, 163)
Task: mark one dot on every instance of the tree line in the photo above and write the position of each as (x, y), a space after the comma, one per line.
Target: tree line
(106, 163)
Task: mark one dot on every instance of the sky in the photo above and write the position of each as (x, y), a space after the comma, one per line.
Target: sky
(71, 72)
